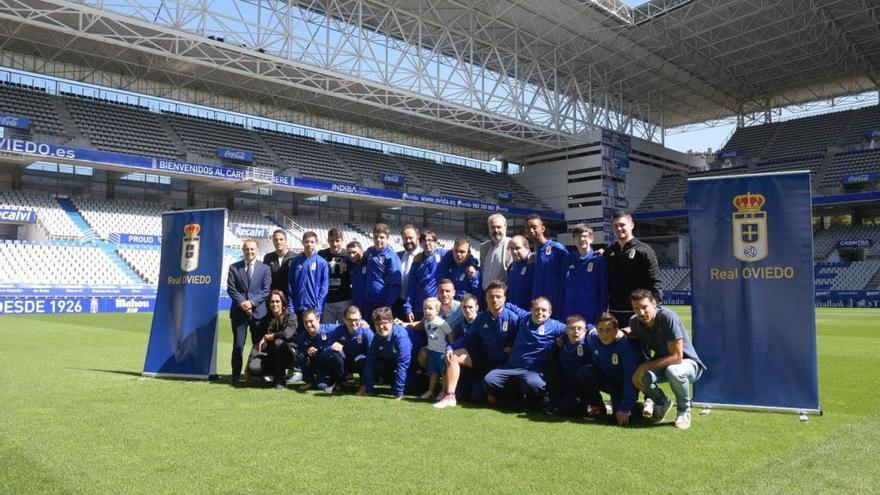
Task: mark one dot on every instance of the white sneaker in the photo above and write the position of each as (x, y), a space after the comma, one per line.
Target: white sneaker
(328, 389)
(448, 400)
(648, 409)
(683, 420)
(295, 379)
(428, 395)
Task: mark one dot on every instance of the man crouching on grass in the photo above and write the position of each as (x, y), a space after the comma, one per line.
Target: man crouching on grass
(674, 359)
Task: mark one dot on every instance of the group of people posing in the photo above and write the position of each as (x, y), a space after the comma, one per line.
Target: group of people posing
(529, 323)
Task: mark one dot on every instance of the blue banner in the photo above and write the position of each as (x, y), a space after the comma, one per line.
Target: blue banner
(728, 154)
(393, 179)
(9, 215)
(15, 121)
(235, 155)
(872, 133)
(73, 290)
(74, 305)
(504, 195)
(855, 243)
(250, 231)
(754, 317)
(183, 337)
(137, 239)
(848, 298)
(860, 178)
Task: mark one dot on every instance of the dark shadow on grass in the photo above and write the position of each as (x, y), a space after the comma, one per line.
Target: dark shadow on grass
(115, 372)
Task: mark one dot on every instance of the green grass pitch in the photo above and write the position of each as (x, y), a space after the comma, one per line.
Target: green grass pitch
(76, 417)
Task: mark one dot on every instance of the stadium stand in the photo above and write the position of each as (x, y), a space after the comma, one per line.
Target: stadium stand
(120, 127)
(438, 179)
(26, 263)
(128, 128)
(306, 156)
(863, 120)
(120, 217)
(672, 278)
(50, 216)
(202, 136)
(806, 136)
(145, 260)
(33, 103)
(369, 164)
(667, 193)
(751, 141)
(851, 163)
(811, 163)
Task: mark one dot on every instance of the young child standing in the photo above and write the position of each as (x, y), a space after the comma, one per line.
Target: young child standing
(439, 334)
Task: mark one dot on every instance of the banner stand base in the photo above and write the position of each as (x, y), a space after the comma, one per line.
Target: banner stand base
(803, 414)
(175, 376)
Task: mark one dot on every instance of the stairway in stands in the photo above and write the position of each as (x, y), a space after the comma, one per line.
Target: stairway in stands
(90, 237)
(359, 230)
(874, 283)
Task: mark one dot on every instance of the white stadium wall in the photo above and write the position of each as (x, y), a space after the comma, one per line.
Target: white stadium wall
(571, 179)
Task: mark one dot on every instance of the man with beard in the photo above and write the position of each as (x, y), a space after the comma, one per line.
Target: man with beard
(409, 235)
(495, 258)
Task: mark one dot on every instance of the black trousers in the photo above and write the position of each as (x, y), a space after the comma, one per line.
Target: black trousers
(239, 332)
(274, 360)
(416, 383)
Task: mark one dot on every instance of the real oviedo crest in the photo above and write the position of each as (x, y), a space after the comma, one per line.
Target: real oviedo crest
(189, 255)
(749, 228)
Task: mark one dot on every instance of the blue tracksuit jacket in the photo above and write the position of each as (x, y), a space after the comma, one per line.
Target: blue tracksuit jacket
(520, 278)
(533, 342)
(489, 336)
(422, 280)
(617, 362)
(458, 275)
(353, 344)
(549, 273)
(397, 349)
(586, 286)
(382, 277)
(308, 282)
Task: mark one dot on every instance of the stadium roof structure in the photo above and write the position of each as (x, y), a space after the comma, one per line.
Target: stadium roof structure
(498, 77)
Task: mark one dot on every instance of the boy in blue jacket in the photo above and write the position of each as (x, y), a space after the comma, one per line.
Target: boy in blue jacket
(314, 356)
(521, 274)
(351, 341)
(423, 276)
(308, 278)
(573, 355)
(614, 360)
(585, 286)
(460, 266)
(389, 355)
(382, 275)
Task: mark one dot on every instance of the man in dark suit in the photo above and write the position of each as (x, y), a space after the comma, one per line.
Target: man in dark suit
(248, 285)
(279, 260)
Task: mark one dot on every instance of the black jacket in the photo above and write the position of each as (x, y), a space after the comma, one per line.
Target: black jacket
(634, 266)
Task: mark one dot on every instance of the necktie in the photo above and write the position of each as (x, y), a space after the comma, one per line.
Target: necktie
(250, 271)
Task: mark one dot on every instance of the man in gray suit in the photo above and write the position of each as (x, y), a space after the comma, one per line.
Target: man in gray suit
(248, 284)
(495, 258)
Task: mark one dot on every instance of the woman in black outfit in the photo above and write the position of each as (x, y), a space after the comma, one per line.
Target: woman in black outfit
(277, 346)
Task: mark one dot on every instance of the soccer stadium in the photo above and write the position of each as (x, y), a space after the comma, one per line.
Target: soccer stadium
(125, 122)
